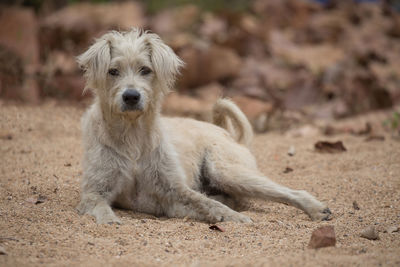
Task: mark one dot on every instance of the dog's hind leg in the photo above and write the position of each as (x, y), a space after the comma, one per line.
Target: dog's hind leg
(243, 181)
(192, 204)
(177, 199)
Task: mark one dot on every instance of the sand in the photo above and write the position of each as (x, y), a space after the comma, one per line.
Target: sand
(40, 153)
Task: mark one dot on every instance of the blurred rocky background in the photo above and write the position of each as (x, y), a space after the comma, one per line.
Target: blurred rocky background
(284, 62)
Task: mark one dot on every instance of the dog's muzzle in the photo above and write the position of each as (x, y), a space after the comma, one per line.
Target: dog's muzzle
(131, 100)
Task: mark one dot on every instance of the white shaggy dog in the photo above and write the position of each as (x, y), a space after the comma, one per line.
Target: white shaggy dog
(136, 159)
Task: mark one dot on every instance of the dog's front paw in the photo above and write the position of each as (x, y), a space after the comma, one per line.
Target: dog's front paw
(324, 214)
(81, 208)
(236, 217)
(315, 209)
(108, 219)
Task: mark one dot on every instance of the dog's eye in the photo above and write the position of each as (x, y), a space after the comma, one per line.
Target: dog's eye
(113, 72)
(145, 71)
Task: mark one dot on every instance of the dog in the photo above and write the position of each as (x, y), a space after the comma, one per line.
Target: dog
(136, 159)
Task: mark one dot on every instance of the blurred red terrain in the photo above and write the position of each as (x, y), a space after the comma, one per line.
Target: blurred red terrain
(273, 58)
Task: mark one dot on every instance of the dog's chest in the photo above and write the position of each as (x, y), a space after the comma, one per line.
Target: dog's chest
(137, 192)
(143, 199)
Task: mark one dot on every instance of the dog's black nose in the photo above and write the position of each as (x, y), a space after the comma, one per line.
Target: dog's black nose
(131, 97)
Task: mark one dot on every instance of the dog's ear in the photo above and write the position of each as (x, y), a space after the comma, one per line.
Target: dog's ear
(165, 62)
(96, 61)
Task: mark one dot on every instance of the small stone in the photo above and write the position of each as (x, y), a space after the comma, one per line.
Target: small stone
(329, 147)
(392, 229)
(3, 251)
(6, 136)
(216, 228)
(41, 199)
(323, 237)
(287, 170)
(291, 151)
(370, 233)
(355, 205)
(31, 200)
(36, 200)
(374, 138)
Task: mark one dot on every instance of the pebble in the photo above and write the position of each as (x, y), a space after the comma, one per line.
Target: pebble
(291, 151)
(323, 237)
(363, 250)
(370, 233)
(3, 251)
(287, 170)
(392, 229)
(355, 205)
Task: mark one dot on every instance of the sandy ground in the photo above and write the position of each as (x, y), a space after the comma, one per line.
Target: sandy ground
(40, 154)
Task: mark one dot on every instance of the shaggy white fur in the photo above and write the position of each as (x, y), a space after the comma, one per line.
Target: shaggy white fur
(136, 159)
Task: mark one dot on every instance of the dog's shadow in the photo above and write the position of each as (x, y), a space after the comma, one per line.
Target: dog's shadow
(134, 215)
(251, 206)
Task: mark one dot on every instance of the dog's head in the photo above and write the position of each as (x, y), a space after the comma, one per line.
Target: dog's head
(129, 71)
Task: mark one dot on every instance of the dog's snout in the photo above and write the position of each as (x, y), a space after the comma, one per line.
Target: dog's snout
(131, 97)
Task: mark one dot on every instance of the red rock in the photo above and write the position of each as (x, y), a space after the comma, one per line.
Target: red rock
(197, 105)
(18, 32)
(11, 74)
(18, 35)
(252, 107)
(220, 63)
(323, 237)
(329, 147)
(68, 86)
(69, 31)
(205, 65)
(324, 27)
(216, 228)
(210, 92)
(61, 63)
(257, 111)
(297, 13)
(213, 27)
(74, 27)
(257, 77)
(172, 21)
(316, 58)
(177, 104)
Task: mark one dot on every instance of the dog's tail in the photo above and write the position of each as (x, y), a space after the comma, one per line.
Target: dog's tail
(229, 116)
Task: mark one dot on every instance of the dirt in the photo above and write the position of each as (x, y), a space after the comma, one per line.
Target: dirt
(40, 153)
